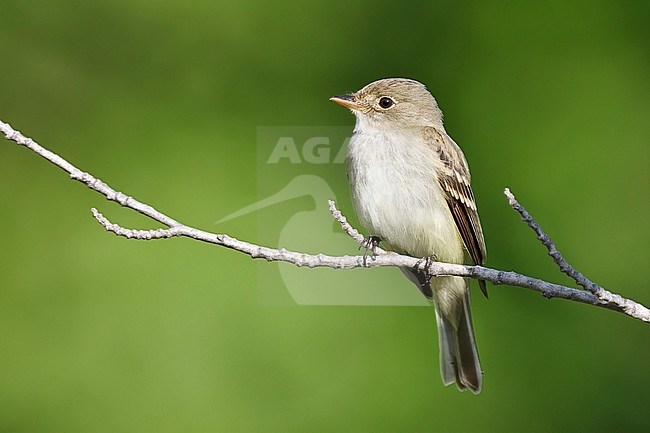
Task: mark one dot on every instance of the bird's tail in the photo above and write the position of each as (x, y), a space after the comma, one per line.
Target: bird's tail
(459, 361)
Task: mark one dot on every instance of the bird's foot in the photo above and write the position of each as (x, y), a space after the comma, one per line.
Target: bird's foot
(427, 262)
(370, 245)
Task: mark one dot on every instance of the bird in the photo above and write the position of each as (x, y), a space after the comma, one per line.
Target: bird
(411, 190)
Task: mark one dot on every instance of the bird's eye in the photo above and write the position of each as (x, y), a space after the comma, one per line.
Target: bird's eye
(386, 102)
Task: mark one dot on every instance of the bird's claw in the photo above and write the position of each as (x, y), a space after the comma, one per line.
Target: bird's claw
(370, 245)
(427, 263)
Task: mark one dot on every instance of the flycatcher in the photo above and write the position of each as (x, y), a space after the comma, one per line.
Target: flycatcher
(410, 187)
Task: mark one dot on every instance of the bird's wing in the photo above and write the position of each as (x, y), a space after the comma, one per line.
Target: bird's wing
(454, 178)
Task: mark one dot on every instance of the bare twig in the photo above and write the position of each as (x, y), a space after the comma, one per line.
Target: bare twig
(86, 178)
(345, 225)
(351, 231)
(560, 261)
(545, 239)
(600, 298)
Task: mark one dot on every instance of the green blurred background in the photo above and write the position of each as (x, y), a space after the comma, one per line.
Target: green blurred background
(163, 99)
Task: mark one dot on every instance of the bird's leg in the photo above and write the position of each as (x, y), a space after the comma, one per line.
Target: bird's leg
(427, 262)
(370, 244)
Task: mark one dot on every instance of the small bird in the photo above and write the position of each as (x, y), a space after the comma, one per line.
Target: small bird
(410, 188)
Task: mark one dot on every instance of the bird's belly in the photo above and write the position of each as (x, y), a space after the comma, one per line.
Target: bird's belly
(401, 202)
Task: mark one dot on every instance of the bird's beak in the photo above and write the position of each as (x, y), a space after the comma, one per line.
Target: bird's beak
(349, 101)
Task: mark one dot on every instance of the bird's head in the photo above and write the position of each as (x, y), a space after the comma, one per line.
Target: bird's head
(396, 103)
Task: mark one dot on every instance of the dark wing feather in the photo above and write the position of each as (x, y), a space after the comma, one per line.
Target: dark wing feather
(454, 178)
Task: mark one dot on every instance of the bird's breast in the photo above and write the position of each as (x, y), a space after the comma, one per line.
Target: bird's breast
(396, 195)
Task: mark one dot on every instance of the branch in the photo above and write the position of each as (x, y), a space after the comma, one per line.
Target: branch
(564, 266)
(593, 295)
